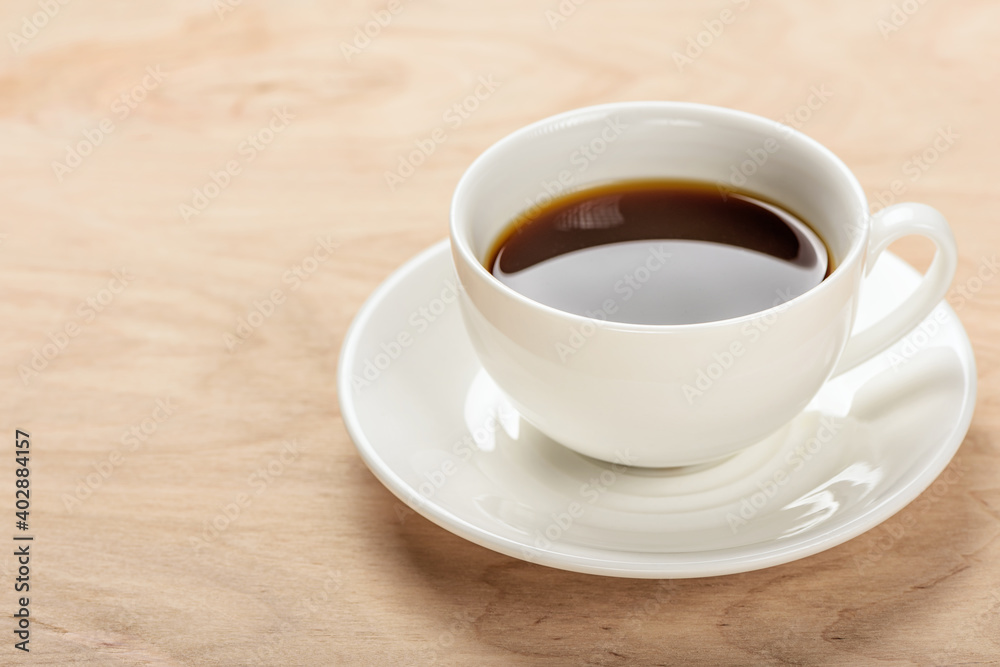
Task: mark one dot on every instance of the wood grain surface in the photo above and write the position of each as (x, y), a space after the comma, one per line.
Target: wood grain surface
(169, 168)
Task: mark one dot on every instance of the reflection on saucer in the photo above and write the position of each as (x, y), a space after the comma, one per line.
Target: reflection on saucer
(487, 410)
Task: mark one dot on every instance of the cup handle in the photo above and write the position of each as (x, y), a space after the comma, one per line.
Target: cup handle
(888, 225)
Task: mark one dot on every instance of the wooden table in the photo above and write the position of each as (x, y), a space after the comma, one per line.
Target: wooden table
(172, 168)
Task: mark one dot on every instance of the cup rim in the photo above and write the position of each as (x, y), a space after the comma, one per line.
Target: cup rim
(461, 246)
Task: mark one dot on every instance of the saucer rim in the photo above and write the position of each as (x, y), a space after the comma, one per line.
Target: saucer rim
(694, 564)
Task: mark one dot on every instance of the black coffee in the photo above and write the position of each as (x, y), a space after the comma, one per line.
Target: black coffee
(660, 252)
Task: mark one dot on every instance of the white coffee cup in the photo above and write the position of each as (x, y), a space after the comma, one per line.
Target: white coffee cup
(675, 395)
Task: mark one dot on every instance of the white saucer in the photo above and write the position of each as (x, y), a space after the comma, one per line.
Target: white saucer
(435, 430)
